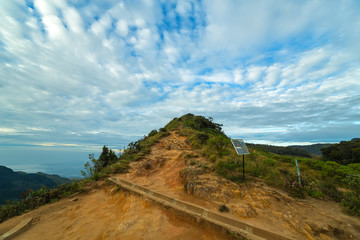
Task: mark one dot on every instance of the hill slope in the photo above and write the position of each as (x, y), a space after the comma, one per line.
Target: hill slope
(172, 166)
(107, 213)
(192, 159)
(313, 148)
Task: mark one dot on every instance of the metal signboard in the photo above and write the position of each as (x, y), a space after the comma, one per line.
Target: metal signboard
(240, 146)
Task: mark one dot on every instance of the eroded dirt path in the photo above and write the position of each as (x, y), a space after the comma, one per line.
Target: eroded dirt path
(258, 204)
(160, 169)
(105, 213)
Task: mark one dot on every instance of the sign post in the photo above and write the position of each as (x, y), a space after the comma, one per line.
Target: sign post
(240, 149)
(298, 170)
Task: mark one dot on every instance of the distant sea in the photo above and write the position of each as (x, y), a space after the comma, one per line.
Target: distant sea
(61, 162)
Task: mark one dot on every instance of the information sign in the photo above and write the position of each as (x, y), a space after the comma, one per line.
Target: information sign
(240, 146)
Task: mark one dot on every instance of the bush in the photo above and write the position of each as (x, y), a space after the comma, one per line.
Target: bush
(329, 188)
(219, 144)
(120, 167)
(354, 166)
(162, 129)
(269, 162)
(229, 169)
(202, 137)
(152, 133)
(190, 121)
(257, 169)
(351, 202)
(292, 185)
(315, 193)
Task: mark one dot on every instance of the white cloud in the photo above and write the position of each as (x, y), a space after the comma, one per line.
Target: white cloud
(239, 77)
(45, 7)
(7, 130)
(132, 66)
(122, 27)
(73, 20)
(54, 27)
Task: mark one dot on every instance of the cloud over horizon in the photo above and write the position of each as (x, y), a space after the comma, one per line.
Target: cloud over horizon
(84, 73)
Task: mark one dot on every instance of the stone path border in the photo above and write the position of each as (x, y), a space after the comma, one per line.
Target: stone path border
(201, 214)
(21, 227)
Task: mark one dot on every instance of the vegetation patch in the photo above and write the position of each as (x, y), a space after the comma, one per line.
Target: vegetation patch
(320, 177)
(345, 152)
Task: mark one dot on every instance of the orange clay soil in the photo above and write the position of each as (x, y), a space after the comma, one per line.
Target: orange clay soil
(107, 213)
(255, 203)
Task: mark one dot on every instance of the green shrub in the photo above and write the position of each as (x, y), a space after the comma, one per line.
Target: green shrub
(329, 169)
(269, 162)
(351, 202)
(152, 133)
(120, 167)
(219, 144)
(257, 169)
(229, 169)
(354, 166)
(352, 181)
(315, 193)
(328, 187)
(91, 167)
(202, 137)
(292, 185)
(286, 159)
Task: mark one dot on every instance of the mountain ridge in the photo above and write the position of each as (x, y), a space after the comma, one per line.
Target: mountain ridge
(13, 183)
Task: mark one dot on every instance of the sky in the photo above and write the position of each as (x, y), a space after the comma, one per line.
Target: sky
(77, 75)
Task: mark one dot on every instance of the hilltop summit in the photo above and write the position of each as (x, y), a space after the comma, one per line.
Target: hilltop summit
(191, 159)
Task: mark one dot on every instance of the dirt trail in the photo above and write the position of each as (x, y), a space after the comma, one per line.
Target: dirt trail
(160, 170)
(260, 205)
(105, 213)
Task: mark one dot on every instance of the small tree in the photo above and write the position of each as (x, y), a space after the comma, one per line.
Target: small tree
(90, 167)
(94, 166)
(107, 157)
(219, 144)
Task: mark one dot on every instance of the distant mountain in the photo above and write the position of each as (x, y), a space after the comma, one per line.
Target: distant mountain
(313, 148)
(281, 150)
(12, 184)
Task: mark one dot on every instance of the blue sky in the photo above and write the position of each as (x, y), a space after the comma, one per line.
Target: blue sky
(81, 74)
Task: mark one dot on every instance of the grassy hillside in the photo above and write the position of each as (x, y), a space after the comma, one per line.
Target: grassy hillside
(319, 178)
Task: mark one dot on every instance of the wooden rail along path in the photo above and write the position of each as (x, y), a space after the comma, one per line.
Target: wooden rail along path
(200, 214)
